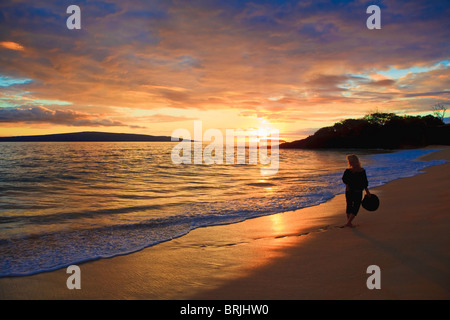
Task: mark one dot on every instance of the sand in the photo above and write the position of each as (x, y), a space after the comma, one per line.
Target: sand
(298, 255)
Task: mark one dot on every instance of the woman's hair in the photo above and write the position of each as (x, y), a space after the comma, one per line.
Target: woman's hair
(353, 161)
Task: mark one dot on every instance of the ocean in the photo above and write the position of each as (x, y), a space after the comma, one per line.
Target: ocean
(64, 203)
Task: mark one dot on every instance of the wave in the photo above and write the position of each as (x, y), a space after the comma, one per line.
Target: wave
(261, 184)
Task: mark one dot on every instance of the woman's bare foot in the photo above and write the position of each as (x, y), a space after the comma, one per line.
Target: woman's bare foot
(349, 225)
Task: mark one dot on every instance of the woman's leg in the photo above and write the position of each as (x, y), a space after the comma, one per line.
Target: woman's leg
(353, 203)
(349, 220)
(349, 202)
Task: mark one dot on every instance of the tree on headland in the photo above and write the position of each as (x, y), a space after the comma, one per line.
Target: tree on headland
(378, 130)
(380, 117)
(439, 111)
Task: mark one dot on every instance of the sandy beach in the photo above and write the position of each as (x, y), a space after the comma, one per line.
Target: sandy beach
(303, 254)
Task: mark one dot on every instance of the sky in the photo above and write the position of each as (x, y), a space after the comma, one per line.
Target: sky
(153, 66)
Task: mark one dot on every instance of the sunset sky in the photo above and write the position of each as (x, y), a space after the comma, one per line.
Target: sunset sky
(154, 66)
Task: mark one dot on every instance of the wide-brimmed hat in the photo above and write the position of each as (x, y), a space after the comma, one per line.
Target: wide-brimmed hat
(370, 203)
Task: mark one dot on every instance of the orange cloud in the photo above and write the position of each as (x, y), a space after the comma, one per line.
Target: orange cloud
(62, 117)
(12, 45)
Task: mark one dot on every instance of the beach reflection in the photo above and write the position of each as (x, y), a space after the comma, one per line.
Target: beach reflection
(278, 225)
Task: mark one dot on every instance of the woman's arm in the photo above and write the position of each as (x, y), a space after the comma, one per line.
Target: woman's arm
(366, 184)
(346, 178)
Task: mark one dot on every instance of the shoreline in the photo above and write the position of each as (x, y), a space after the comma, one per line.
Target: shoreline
(297, 254)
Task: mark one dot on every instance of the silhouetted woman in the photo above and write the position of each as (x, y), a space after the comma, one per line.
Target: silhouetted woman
(355, 180)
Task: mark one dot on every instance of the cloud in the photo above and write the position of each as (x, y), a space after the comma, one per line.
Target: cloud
(12, 45)
(382, 83)
(160, 118)
(428, 94)
(8, 81)
(59, 117)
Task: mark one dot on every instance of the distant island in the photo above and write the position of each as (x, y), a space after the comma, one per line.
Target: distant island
(378, 131)
(86, 136)
(95, 136)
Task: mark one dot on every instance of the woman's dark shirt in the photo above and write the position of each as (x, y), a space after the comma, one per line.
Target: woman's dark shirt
(356, 180)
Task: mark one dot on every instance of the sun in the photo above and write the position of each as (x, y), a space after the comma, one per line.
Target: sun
(263, 132)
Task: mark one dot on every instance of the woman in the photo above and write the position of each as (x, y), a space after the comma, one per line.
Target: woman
(355, 180)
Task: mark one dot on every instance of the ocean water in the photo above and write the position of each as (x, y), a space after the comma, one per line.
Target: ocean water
(65, 203)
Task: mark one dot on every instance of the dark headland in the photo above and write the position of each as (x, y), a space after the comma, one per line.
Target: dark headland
(378, 131)
(86, 136)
